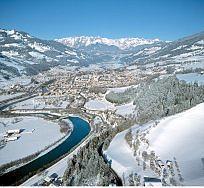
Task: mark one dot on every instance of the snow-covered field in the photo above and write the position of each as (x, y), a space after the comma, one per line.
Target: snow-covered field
(37, 55)
(9, 96)
(23, 80)
(198, 62)
(103, 104)
(44, 134)
(41, 103)
(120, 89)
(125, 109)
(99, 105)
(191, 78)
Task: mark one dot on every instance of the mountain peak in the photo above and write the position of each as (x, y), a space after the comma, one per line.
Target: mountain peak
(122, 43)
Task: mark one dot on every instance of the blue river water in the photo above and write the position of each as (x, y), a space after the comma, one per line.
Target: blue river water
(81, 129)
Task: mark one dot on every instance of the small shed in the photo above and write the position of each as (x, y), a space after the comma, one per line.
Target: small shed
(53, 176)
(169, 163)
(48, 179)
(150, 181)
(160, 163)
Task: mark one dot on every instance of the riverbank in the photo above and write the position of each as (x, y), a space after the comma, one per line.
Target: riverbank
(59, 167)
(32, 139)
(80, 131)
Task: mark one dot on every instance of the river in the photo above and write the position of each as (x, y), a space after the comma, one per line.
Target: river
(81, 129)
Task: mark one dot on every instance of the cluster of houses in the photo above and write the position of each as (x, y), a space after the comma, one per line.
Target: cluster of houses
(153, 181)
(70, 83)
(12, 135)
(52, 180)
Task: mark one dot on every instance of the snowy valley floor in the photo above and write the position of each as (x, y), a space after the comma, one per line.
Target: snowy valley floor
(36, 135)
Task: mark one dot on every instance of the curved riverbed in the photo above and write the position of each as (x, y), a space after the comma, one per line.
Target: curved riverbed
(81, 129)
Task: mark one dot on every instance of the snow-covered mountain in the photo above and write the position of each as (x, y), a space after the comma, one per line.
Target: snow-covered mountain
(122, 43)
(186, 49)
(21, 53)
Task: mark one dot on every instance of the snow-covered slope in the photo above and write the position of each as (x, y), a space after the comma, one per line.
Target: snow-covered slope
(182, 136)
(21, 53)
(179, 137)
(122, 43)
(190, 48)
(122, 157)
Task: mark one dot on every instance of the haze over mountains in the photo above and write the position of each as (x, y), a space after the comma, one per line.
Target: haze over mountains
(21, 53)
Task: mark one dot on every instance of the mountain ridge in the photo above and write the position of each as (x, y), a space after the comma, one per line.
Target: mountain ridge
(21, 53)
(30, 55)
(121, 43)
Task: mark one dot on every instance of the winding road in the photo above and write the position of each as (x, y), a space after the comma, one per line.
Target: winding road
(117, 178)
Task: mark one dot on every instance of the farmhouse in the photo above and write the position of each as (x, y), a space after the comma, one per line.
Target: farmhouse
(12, 135)
(12, 138)
(13, 131)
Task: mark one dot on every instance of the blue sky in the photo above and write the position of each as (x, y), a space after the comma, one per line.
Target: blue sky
(49, 19)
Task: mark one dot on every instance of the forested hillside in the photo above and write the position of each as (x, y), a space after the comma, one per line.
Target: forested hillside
(160, 98)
